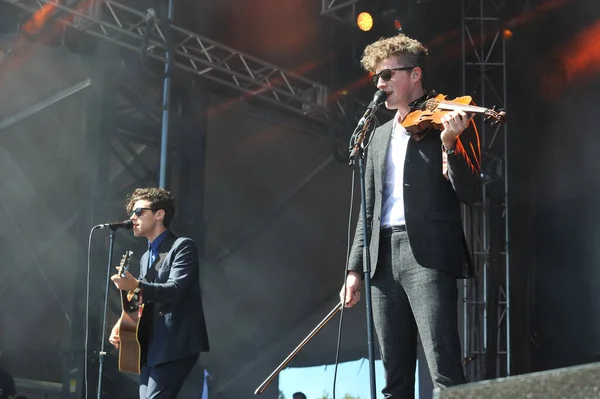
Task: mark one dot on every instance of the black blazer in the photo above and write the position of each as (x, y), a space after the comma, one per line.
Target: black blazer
(431, 202)
(172, 302)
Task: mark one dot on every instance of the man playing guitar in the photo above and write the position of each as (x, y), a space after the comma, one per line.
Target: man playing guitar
(169, 287)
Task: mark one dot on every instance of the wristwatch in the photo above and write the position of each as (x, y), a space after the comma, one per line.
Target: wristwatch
(138, 288)
(448, 151)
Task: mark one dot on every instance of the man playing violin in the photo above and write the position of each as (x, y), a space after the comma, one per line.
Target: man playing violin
(414, 187)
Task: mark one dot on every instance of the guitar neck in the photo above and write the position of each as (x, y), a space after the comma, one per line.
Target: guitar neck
(124, 299)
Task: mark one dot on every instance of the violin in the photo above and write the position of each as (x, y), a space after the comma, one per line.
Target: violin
(429, 112)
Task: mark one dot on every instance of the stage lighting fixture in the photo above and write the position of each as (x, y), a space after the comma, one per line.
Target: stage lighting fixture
(507, 33)
(364, 21)
(398, 25)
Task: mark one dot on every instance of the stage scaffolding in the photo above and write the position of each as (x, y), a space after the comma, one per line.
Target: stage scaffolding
(486, 300)
(341, 10)
(124, 128)
(254, 78)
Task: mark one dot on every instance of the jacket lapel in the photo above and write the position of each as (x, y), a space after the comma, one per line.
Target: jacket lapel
(163, 251)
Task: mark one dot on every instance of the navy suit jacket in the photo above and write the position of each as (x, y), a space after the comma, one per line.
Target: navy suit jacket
(173, 303)
(431, 202)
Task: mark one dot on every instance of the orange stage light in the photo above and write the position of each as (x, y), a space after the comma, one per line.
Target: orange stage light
(364, 21)
(581, 57)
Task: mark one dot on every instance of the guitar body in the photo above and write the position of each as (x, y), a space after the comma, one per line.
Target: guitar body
(133, 334)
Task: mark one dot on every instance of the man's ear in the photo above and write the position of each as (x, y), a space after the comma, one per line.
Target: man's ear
(160, 214)
(416, 73)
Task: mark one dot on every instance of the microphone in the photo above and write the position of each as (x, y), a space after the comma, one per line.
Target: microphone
(125, 224)
(359, 135)
(378, 99)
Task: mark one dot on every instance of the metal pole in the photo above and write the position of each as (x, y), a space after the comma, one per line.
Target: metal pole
(102, 353)
(485, 213)
(166, 102)
(367, 280)
(11, 120)
(466, 306)
(506, 232)
(358, 150)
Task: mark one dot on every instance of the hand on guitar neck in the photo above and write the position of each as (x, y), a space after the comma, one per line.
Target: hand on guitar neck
(124, 280)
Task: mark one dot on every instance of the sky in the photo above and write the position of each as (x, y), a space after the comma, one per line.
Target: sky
(353, 378)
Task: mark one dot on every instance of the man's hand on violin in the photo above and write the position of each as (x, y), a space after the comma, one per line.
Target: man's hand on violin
(454, 122)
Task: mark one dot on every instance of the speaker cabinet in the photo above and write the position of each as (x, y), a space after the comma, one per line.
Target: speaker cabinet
(578, 382)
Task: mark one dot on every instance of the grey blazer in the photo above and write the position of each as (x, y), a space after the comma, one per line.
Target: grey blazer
(431, 202)
(172, 302)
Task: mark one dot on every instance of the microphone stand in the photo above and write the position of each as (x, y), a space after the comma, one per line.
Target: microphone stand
(358, 152)
(102, 353)
(364, 126)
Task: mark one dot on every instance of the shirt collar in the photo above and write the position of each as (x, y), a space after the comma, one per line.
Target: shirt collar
(155, 245)
(418, 102)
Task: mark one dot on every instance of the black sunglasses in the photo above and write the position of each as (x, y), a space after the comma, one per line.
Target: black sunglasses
(138, 211)
(386, 74)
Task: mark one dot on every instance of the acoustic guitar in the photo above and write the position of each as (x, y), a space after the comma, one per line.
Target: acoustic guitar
(132, 331)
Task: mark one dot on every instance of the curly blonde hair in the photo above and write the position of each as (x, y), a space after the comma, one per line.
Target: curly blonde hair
(409, 51)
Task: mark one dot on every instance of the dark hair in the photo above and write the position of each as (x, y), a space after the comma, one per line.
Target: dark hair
(298, 395)
(159, 199)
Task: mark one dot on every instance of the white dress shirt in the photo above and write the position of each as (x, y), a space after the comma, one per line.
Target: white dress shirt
(393, 185)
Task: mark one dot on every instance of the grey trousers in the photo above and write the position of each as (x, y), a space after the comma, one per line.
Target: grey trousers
(409, 299)
(164, 381)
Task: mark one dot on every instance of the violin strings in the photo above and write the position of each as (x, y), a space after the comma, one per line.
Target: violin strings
(464, 107)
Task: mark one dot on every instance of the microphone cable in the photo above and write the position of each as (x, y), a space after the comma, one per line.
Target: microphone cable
(348, 248)
(87, 313)
(351, 142)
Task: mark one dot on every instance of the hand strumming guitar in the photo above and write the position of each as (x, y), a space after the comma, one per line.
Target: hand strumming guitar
(114, 335)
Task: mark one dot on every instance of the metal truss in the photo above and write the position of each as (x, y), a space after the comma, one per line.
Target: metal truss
(135, 142)
(486, 224)
(256, 79)
(340, 10)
